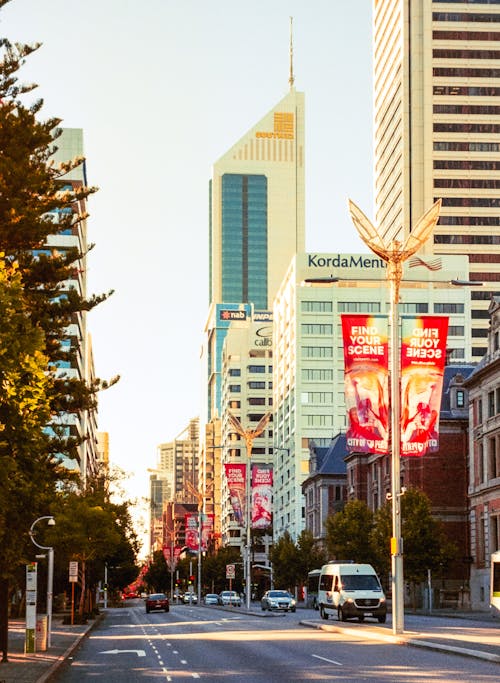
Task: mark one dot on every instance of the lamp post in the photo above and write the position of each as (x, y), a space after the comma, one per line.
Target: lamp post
(248, 435)
(395, 253)
(50, 571)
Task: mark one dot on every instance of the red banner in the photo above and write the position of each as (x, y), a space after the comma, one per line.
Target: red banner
(207, 530)
(423, 357)
(366, 382)
(166, 555)
(235, 475)
(262, 496)
(192, 530)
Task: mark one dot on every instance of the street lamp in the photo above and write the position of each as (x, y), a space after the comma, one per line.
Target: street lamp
(50, 571)
(248, 435)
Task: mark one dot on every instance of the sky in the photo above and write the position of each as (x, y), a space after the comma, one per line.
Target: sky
(162, 89)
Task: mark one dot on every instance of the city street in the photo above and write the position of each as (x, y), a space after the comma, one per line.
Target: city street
(215, 644)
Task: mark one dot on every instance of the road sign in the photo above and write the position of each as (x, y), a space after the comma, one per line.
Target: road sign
(230, 571)
(73, 572)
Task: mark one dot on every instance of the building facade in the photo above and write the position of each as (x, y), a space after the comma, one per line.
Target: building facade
(437, 133)
(308, 361)
(484, 462)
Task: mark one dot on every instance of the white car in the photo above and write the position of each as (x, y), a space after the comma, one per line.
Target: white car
(230, 598)
(278, 600)
(190, 598)
(211, 599)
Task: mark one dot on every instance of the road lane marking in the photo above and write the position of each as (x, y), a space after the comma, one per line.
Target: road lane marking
(331, 661)
(139, 653)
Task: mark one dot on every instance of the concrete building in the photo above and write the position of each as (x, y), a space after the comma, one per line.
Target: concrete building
(437, 133)
(308, 377)
(484, 462)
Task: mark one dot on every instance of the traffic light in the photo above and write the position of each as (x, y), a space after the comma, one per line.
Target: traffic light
(191, 579)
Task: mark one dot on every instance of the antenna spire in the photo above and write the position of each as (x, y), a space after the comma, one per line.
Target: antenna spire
(291, 78)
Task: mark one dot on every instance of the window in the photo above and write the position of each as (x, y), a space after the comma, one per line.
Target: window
(456, 331)
(316, 306)
(448, 308)
(235, 388)
(256, 385)
(491, 404)
(317, 375)
(460, 398)
(256, 368)
(492, 458)
(235, 404)
(316, 328)
(317, 352)
(257, 401)
(358, 306)
(234, 372)
(413, 307)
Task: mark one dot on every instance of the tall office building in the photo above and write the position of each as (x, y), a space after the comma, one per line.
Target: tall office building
(437, 132)
(257, 221)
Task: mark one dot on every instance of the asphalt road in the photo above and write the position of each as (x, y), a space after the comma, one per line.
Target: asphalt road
(224, 646)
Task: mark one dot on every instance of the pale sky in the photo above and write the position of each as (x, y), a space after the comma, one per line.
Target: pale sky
(162, 89)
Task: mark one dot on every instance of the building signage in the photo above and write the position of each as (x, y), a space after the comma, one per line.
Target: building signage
(264, 336)
(228, 314)
(283, 127)
(263, 316)
(344, 261)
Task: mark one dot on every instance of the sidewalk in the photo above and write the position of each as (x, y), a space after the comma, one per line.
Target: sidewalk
(443, 630)
(38, 667)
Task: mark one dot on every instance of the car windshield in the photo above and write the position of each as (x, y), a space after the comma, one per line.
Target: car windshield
(279, 594)
(366, 582)
(157, 596)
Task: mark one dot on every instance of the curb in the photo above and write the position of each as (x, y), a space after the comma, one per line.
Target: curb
(405, 640)
(44, 678)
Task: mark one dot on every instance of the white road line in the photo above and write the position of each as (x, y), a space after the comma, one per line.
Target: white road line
(331, 661)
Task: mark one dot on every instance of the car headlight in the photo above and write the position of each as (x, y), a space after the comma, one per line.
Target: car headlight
(292, 603)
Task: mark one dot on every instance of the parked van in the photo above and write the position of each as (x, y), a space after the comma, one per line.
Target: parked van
(351, 590)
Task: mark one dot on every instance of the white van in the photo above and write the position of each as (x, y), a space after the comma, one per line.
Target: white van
(351, 590)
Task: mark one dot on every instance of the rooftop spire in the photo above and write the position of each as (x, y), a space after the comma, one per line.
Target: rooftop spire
(291, 78)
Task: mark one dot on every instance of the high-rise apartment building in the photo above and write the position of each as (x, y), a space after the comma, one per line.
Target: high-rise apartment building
(437, 133)
(82, 425)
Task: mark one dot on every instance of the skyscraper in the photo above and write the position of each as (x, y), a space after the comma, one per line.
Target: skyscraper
(437, 133)
(257, 221)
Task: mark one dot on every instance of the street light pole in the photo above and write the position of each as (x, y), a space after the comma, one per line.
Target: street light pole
(50, 571)
(248, 435)
(395, 253)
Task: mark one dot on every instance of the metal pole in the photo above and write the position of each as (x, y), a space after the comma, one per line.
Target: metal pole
(105, 585)
(396, 540)
(199, 554)
(248, 525)
(50, 584)
(50, 572)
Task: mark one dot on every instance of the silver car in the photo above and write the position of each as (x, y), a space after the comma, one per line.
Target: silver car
(211, 599)
(278, 600)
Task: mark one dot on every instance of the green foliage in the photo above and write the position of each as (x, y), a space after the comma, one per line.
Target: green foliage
(285, 560)
(157, 577)
(214, 570)
(311, 554)
(348, 533)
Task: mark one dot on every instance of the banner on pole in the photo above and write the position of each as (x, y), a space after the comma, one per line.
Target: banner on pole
(423, 357)
(235, 475)
(366, 374)
(262, 496)
(192, 530)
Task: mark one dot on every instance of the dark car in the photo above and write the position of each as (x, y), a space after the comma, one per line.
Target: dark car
(157, 601)
(278, 600)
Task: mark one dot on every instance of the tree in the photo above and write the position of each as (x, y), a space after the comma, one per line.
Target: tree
(348, 533)
(285, 558)
(31, 195)
(94, 530)
(311, 555)
(425, 545)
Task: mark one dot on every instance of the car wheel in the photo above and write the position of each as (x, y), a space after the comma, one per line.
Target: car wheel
(381, 619)
(322, 612)
(167, 609)
(263, 608)
(342, 615)
(293, 609)
(361, 617)
(147, 610)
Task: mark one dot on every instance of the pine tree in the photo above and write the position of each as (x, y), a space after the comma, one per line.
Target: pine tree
(38, 308)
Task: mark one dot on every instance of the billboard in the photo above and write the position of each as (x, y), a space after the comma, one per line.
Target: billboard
(235, 475)
(262, 496)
